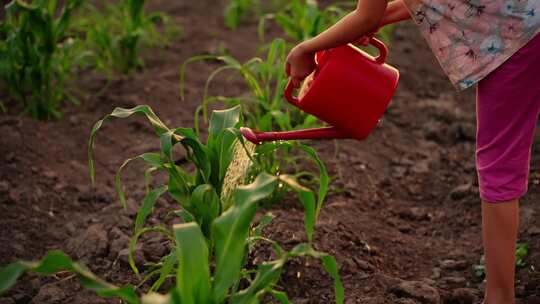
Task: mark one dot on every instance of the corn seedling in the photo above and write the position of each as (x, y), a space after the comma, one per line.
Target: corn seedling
(117, 33)
(303, 19)
(218, 215)
(237, 11)
(37, 56)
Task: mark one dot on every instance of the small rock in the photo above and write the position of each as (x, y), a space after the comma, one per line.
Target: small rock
(49, 293)
(349, 266)
(436, 273)
(399, 172)
(460, 192)
(386, 281)
(453, 265)
(417, 290)
(406, 301)
(464, 296)
(138, 256)
(454, 280)
(415, 214)
(120, 241)
(421, 167)
(74, 120)
(364, 265)
(92, 242)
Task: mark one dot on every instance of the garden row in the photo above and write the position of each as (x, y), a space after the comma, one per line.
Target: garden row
(219, 184)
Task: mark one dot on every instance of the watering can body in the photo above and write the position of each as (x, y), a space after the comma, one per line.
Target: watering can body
(350, 91)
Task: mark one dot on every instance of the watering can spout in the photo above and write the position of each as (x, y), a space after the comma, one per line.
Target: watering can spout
(316, 133)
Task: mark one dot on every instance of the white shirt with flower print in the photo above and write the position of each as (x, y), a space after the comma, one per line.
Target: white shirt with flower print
(471, 38)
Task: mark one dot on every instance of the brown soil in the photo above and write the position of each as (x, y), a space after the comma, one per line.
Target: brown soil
(404, 205)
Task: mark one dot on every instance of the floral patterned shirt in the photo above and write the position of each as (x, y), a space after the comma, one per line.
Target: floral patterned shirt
(471, 38)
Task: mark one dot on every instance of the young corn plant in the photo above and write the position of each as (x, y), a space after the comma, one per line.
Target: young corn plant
(302, 19)
(211, 247)
(37, 56)
(119, 31)
(237, 11)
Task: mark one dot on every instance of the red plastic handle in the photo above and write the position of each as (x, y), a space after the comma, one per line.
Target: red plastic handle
(383, 50)
(289, 94)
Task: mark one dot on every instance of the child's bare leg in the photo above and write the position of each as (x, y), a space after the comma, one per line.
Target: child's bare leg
(500, 228)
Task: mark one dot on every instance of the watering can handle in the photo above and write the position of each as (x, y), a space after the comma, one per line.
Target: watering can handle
(381, 59)
(383, 50)
(289, 94)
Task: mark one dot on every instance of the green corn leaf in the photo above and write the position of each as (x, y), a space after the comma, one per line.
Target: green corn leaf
(205, 204)
(153, 159)
(222, 120)
(308, 200)
(329, 263)
(183, 70)
(268, 274)
(166, 269)
(324, 179)
(145, 110)
(197, 152)
(193, 277)
(56, 261)
(280, 296)
(230, 232)
(323, 175)
(147, 206)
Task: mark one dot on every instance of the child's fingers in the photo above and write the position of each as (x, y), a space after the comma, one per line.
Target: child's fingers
(364, 41)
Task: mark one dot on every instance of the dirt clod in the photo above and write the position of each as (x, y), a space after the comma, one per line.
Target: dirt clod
(92, 242)
(464, 296)
(49, 293)
(417, 290)
(461, 192)
(453, 264)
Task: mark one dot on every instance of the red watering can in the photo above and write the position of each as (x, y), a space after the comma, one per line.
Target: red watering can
(350, 91)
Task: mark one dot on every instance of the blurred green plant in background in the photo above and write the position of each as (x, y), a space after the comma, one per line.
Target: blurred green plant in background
(38, 56)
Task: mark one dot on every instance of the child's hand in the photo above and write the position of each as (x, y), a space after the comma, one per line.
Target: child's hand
(299, 64)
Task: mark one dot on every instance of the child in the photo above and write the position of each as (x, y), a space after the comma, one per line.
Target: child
(491, 43)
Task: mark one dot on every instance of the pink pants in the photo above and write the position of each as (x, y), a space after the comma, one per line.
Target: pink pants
(508, 103)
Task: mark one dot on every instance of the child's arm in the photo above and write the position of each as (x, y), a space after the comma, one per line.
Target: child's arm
(365, 19)
(396, 11)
